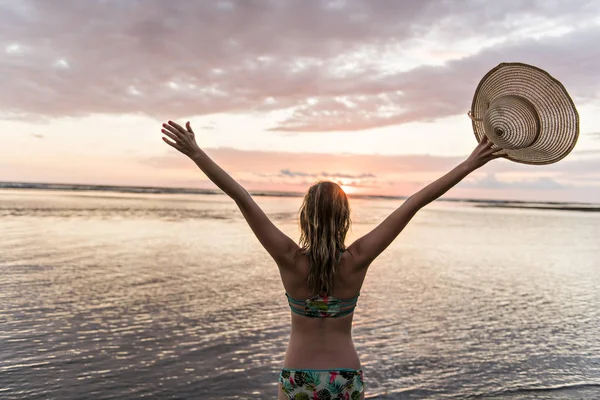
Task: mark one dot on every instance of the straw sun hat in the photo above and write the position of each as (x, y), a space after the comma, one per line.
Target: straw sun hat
(526, 112)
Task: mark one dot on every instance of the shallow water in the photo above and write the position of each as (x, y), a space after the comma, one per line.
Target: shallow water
(122, 296)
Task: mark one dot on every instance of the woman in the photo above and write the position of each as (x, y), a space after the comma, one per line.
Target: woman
(322, 277)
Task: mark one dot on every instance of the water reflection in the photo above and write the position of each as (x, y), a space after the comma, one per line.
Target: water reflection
(130, 296)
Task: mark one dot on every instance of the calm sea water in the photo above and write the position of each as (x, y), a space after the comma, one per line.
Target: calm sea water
(114, 296)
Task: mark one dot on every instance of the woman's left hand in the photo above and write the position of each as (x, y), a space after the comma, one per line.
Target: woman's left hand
(484, 153)
(182, 139)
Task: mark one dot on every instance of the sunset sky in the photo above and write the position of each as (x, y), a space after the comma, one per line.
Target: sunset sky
(282, 93)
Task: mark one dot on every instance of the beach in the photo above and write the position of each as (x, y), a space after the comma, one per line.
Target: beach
(119, 294)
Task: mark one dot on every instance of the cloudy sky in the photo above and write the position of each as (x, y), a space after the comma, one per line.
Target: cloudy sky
(372, 94)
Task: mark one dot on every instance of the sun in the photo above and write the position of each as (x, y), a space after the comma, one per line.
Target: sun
(348, 189)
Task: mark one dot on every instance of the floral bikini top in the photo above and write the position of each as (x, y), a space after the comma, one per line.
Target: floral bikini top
(323, 306)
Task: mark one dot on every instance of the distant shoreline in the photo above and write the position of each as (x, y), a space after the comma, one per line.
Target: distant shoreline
(541, 207)
(537, 205)
(129, 189)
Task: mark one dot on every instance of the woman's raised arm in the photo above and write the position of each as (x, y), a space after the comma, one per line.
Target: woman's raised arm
(277, 244)
(368, 247)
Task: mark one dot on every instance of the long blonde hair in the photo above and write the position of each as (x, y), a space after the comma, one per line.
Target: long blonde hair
(324, 223)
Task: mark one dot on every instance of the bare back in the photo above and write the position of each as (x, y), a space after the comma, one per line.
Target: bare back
(322, 343)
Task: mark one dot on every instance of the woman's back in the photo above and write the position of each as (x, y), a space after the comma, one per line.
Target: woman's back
(322, 343)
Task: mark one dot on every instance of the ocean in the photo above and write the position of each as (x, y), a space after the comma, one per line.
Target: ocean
(128, 294)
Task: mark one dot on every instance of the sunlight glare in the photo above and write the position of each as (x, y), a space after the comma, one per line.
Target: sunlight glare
(348, 189)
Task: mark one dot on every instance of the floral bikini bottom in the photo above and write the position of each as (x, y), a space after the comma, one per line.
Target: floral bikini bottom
(318, 384)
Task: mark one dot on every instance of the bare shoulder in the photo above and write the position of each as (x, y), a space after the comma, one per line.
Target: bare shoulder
(291, 259)
(352, 274)
(354, 259)
(354, 264)
(294, 271)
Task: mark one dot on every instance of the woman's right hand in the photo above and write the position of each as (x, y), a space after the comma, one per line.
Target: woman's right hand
(484, 153)
(182, 139)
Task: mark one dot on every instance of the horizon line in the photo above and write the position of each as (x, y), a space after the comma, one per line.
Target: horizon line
(261, 193)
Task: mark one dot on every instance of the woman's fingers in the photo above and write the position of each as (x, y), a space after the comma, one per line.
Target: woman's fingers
(169, 142)
(173, 130)
(490, 150)
(484, 145)
(488, 144)
(494, 156)
(178, 127)
(169, 134)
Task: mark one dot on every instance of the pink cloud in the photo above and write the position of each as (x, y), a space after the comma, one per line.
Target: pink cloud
(395, 175)
(351, 165)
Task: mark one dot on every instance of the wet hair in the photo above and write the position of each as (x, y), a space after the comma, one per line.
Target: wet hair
(324, 223)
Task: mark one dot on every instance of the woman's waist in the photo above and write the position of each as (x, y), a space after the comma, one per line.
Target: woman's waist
(329, 340)
(322, 336)
(321, 352)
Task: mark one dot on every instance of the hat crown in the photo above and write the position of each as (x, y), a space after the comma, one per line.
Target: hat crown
(512, 122)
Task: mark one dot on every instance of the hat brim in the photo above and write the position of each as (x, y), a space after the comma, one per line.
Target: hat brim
(559, 120)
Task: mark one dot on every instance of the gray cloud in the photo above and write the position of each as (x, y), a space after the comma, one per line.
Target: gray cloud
(431, 92)
(287, 172)
(348, 176)
(37, 135)
(175, 59)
